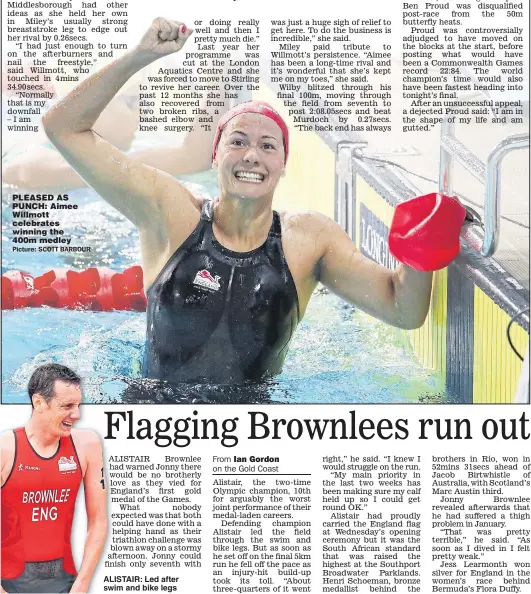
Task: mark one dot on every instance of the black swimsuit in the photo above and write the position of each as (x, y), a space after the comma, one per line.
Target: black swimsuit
(219, 316)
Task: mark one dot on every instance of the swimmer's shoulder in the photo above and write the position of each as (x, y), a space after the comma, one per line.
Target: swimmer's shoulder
(7, 448)
(197, 201)
(200, 201)
(304, 244)
(307, 226)
(307, 237)
(306, 218)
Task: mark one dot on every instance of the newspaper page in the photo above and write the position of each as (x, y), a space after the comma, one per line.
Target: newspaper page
(265, 269)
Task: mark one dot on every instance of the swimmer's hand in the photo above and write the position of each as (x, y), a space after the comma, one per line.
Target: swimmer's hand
(163, 37)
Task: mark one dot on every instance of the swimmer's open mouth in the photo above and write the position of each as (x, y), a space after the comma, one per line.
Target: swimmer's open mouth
(248, 176)
(68, 425)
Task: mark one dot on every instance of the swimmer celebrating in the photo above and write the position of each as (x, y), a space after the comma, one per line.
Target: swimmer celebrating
(227, 280)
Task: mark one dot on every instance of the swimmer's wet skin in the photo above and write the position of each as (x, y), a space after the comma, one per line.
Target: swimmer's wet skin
(209, 316)
(220, 316)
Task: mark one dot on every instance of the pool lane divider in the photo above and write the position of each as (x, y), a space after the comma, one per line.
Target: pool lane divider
(95, 289)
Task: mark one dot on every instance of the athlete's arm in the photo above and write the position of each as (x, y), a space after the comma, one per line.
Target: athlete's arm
(400, 297)
(96, 505)
(7, 449)
(144, 195)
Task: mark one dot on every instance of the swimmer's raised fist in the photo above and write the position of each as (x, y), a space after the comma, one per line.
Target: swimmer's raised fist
(162, 38)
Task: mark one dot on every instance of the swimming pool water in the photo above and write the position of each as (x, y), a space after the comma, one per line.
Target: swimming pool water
(338, 354)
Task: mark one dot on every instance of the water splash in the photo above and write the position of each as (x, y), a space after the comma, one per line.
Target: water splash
(338, 355)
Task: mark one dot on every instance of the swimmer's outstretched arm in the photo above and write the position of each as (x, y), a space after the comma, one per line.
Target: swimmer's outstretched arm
(400, 297)
(150, 198)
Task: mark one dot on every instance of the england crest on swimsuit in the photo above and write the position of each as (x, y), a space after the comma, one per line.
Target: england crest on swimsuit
(204, 279)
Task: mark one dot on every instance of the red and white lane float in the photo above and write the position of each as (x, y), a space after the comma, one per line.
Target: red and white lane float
(96, 289)
(424, 234)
